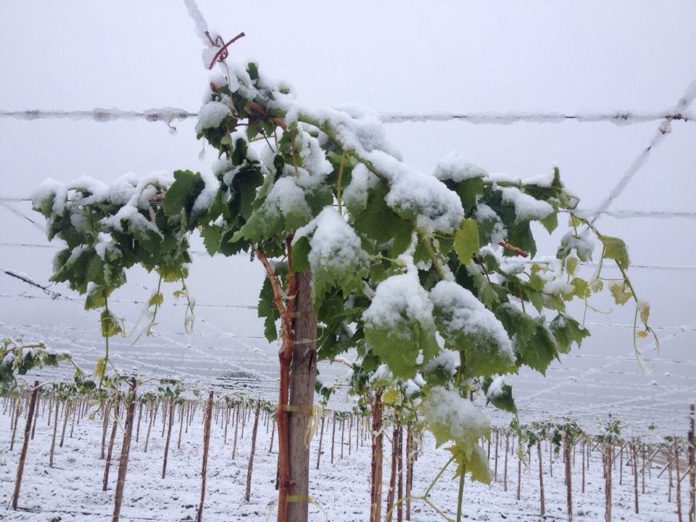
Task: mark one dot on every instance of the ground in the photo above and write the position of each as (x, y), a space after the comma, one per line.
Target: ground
(71, 490)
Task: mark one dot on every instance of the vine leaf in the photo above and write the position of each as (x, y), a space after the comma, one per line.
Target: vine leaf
(466, 241)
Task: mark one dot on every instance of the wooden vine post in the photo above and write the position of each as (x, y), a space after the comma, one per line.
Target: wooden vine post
(377, 458)
(678, 477)
(568, 476)
(206, 447)
(170, 420)
(125, 451)
(112, 439)
(542, 509)
(250, 467)
(25, 445)
(692, 466)
(607, 479)
(634, 459)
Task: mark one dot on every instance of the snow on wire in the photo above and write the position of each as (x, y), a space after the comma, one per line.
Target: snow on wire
(170, 114)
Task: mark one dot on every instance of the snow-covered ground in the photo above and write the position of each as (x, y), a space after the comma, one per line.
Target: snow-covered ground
(71, 491)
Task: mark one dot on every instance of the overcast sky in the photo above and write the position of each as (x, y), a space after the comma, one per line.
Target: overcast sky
(393, 56)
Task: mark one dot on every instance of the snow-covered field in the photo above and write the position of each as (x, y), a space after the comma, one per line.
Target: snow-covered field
(71, 491)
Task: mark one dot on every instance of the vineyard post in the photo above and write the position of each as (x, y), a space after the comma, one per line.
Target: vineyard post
(152, 409)
(170, 419)
(55, 431)
(25, 444)
(519, 473)
(321, 438)
(125, 450)
(495, 472)
(505, 463)
(273, 430)
(400, 468)
(206, 446)
(584, 444)
(678, 477)
(236, 430)
(181, 426)
(109, 452)
(333, 436)
(568, 477)
(409, 468)
(250, 467)
(635, 475)
(105, 425)
(607, 479)
(393, 470)
(36, 416)
(642, 471)
(692, 466)
(17, 411)
(541, 479)
(670, 461)
(137, 429)
(67, 409)
(377, 459)
(621, 464)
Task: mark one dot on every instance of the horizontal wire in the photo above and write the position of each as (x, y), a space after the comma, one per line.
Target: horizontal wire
(685, 329)
(638, 266)
(170, 114)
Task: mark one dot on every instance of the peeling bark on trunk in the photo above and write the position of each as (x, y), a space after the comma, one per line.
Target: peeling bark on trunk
(303, 376)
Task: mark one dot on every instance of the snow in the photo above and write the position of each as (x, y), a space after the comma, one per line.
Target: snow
(447, 360)
(413, 194)
(463, 312)
(333, 242)
(397, 297)
(526, 207)
(207, 196)
(496, 388)
(287, 198)
(51, 188)
(355, 194)
(485, 213)
(453, 166)
(464, 422)
(211, 115)
(72, 491)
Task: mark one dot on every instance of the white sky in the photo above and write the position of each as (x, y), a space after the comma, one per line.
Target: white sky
(393, 56)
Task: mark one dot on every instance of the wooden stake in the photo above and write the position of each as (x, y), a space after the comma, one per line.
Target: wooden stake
(109, 452)
(25, 445)
(206, 446)
(169, 435)
(125, 451)
(247, 494)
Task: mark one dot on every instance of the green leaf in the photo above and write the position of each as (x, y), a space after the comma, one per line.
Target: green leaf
(466, 240)
(469, 191)
(267, 310)
(567, 331)
(615, 248)
(110, 325)
(212, 235)
(471, 461)
(182, 194)
(100, 368)
(156, 299)
(550, 222)
(502, 400)
(300, 254)
(536, 346)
